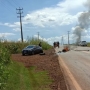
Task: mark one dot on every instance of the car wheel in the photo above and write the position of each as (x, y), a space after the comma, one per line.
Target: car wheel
(23, 54)
(41, 51)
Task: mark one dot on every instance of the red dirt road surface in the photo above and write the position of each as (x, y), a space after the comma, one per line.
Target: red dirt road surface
(48, 62)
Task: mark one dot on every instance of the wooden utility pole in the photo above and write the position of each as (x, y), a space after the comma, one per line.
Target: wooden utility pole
(62, 42)
(38, 36)
(68, 38)
(20, 16)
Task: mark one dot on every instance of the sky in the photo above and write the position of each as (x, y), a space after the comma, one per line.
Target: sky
(51, 18)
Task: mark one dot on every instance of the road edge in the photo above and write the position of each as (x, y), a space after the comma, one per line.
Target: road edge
(70, 80)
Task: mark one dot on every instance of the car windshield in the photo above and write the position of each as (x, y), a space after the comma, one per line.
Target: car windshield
(30, 47)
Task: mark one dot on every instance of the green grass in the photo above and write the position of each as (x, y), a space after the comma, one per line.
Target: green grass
(88, 44)
(22, 78)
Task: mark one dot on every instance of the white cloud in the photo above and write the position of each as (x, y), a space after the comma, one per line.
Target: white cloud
(14, 25)
(54, 16)
(50, 17)
(16, 29)
(70, 4)
(6, 34)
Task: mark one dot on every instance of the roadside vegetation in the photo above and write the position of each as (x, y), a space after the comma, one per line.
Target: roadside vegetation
(14, 76)
(4, 63)
(88, 44)
(22, 78)
(16, 47)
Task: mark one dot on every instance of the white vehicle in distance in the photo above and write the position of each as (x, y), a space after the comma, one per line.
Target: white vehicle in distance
(82, 43)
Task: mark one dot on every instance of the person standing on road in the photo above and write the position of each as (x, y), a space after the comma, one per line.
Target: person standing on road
(40, 44)
(58, 44)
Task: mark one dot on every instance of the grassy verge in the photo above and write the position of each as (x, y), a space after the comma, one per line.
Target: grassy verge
(88, 44)
(22, 78)
(16, 47)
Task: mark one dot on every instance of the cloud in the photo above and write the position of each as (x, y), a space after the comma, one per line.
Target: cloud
(14, 25)
(70, 4)
(54, 16)
(16, 29)
(58, 15)
(48, 17)
(6, 34)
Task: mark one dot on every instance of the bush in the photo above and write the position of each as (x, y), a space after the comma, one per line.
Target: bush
(4, 62)
(16, 47)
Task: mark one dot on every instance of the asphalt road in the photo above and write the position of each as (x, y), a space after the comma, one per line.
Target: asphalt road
(76, 67)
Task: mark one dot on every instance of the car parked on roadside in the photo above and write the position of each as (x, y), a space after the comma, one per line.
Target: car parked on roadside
(31, 50)
(82, 43)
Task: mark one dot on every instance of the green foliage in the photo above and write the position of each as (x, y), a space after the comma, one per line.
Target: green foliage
(9, 72)
(88, 44)
(22, 78)
(46, 46)
(16, 47)
(35, 41)
(4, 62)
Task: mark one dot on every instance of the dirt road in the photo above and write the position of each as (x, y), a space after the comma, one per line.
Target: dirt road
(76, 68)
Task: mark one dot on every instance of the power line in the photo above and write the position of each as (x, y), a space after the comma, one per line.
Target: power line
(20, 16)
(14, 5)
(11, 3)
(17, 4)
(6, 6)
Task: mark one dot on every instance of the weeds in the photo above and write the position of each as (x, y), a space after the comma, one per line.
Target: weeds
(4, 62)
(8, 48)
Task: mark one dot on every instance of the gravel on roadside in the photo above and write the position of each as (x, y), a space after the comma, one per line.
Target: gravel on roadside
(48, 62)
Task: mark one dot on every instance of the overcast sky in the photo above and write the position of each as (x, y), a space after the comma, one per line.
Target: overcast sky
(51, 18)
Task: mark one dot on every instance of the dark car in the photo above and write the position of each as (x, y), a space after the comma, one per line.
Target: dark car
(31, 50)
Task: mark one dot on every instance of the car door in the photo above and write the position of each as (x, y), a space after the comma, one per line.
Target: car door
(35, 49)
(38, 49)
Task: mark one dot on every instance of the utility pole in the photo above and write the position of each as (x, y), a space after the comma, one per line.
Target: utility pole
(38, 36)
(68, 38)
(62, 42)
(20, 16)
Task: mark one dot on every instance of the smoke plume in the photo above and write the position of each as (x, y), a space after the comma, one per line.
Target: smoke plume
(84, 22)
(78, 31)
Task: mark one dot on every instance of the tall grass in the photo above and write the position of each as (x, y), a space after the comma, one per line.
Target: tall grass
(16, 47)
(88, 44)
(35, 41)
(8, 48)
(4, 63)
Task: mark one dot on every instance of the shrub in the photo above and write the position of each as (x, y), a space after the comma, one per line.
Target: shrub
(16, 47)
(4, 62)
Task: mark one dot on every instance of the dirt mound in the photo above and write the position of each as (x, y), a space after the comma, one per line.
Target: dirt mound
(48, 62)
